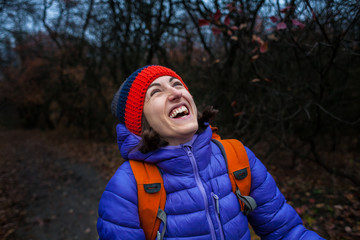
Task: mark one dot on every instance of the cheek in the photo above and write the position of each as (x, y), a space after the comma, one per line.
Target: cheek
(152, 110)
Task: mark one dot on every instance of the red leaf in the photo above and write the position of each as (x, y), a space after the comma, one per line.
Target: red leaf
(264, 47)
(238, 114)
(231, 7)
(217, 15)
(274, 19)
(313, 15)
(227, 20)
(298, 23)
(203, 22)
(281, 25)
(234, 28)
(285, 9)
(299, 210)
(215, 30)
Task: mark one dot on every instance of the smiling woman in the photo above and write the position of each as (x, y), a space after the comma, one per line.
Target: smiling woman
(170, 110)
(160, 129)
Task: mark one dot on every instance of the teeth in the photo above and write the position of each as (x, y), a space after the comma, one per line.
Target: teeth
(175, 112)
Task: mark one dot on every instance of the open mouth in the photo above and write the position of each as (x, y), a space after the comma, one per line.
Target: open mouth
(179, 112)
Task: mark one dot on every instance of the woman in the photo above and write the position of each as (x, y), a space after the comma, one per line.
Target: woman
(159, 124)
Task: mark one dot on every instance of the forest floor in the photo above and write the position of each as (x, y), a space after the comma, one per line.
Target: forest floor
(51, 185)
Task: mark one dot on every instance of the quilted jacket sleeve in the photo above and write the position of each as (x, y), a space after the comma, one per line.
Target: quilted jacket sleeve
(118, 212)
(273, 218)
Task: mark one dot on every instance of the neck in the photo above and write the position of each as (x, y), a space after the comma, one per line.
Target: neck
(179, 141)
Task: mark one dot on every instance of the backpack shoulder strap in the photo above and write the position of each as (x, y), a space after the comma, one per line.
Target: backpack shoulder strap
(239, 171)
(151, 198)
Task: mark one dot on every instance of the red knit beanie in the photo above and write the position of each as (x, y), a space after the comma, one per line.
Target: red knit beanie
(128, 102)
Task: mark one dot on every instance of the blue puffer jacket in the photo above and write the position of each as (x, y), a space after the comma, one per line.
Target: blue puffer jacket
(194, 176)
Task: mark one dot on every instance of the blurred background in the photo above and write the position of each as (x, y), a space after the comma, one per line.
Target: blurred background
(284, 75)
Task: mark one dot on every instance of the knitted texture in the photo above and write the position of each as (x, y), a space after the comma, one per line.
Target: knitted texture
(128, 102)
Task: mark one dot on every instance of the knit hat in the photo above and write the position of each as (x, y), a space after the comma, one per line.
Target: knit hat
(128, 102)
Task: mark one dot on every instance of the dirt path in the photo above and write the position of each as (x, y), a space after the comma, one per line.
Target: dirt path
(47, 195)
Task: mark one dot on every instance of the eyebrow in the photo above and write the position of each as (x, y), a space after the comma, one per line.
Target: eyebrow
(153, 84)
(172, 78)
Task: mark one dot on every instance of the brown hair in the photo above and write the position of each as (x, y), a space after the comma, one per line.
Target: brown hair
(151, 140)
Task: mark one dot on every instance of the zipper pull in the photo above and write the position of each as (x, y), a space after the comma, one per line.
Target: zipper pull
(217, 207)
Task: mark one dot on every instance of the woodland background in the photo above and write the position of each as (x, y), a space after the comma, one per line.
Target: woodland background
(283, 73)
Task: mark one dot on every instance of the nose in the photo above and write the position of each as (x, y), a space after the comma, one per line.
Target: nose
(174, 94)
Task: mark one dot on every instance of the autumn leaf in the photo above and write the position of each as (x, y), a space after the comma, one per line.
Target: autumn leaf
(272, 37)
(264, 47)
(267, 80)
(203, 22)
(253, 58)
(256, 80)
(285, 9)
(233, 104)
(234, 28)
(243, 25)
(257, 39)
(274, 19)
(281, 25)
(217, 15)
(238, 114)
(298, 23)
(313, 15)
(299, 210)
(215, 30)
(227, 20)
(231, 7)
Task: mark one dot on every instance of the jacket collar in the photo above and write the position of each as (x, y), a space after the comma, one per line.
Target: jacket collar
(169, 158)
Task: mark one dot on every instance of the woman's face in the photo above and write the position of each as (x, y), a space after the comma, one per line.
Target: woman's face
(170, 110)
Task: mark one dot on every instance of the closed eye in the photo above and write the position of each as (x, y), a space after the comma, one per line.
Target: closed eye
(177, 83)
(153, 91)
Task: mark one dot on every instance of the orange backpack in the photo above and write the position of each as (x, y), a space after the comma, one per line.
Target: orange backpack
(152, 195)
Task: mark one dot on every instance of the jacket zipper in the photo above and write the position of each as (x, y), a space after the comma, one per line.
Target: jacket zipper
(217, 209)
(202, 190)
